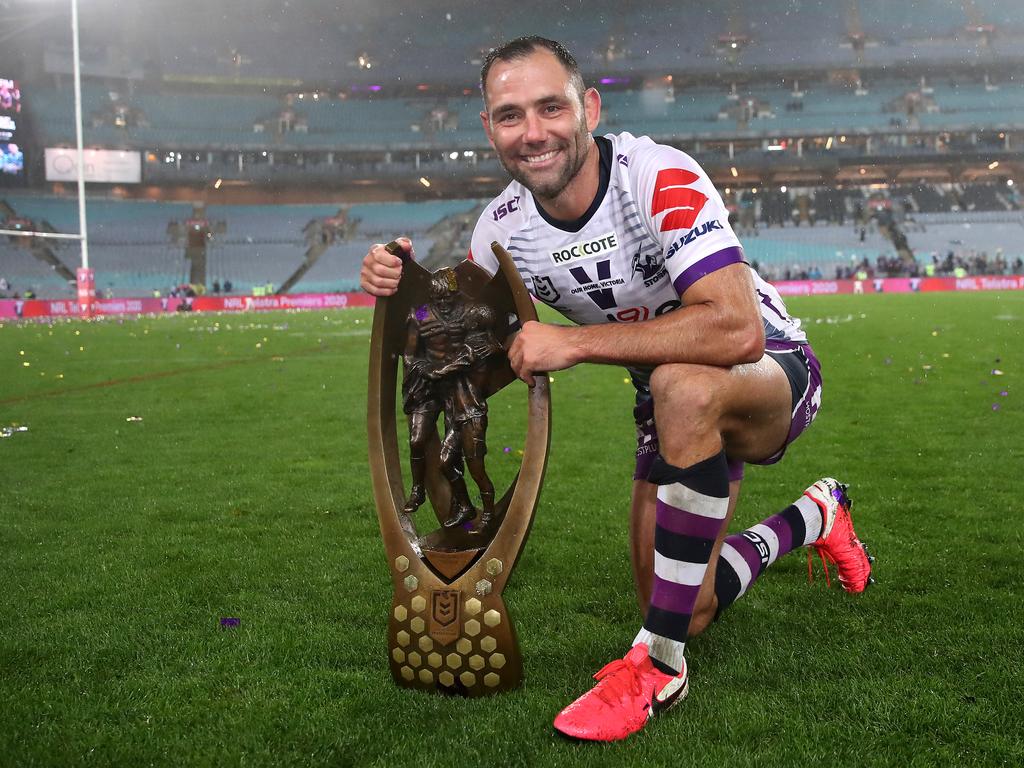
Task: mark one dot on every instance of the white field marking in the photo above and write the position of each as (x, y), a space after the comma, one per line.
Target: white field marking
(830, 319)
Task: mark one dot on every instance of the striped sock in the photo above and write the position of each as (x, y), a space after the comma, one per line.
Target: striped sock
(745, 555)
(692, 506)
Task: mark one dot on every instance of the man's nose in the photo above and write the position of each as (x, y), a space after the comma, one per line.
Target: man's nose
(536, 131)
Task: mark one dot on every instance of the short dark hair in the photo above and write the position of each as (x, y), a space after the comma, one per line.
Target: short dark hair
(522, 47)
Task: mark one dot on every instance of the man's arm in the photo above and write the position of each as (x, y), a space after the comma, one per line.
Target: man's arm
(718, 324)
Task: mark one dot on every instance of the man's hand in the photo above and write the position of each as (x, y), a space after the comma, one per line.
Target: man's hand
(541, 348)
(381, 270)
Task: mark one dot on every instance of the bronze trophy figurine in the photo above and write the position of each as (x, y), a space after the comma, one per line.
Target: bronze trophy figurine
(449, 629)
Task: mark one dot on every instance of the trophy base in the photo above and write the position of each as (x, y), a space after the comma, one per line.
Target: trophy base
(453, 641)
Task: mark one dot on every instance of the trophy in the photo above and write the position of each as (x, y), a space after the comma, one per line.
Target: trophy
(449, 629)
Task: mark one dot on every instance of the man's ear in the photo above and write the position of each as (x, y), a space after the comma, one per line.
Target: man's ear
(592, 108)
(485, 120)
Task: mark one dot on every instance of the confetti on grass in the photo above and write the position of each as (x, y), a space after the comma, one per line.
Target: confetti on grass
(230, 622)
(8, 431)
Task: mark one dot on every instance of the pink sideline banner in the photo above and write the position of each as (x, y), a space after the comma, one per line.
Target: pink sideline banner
(45, 308)
(900, 285)
(11, 309)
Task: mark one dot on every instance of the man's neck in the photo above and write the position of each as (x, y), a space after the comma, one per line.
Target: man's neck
(575, 199)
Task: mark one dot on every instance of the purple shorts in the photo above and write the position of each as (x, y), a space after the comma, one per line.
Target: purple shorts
(804, 373)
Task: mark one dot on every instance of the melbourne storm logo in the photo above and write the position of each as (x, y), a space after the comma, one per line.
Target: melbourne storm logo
(647, 266)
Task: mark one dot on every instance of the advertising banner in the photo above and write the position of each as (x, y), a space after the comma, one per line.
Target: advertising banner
(43, 308)
(101, 165)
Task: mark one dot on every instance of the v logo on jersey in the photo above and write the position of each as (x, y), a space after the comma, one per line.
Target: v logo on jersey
(597, 290)
(672, 194)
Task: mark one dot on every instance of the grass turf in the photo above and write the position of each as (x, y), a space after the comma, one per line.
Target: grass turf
(244, 492)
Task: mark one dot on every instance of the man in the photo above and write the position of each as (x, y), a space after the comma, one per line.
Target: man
(630, 240)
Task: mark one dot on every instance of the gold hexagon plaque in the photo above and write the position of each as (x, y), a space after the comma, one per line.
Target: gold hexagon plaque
(437, 324)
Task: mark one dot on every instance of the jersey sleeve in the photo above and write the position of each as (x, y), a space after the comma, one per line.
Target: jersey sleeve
(683, 211)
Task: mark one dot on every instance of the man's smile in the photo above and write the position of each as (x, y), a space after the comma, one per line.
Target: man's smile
(541, 158)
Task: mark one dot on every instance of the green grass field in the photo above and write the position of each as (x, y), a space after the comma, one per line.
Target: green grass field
(244, 492)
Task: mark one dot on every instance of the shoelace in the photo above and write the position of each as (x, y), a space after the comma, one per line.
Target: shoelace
(810, 566)
(616, 678)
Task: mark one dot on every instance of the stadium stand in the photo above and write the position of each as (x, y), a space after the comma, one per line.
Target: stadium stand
(837, 205)
(924, 198)
(338, 269)
(251, 264)
(25, 273)
(382, 218)
(128, 244)
(982, 197)
(799, 252)
(970, 237)
(177, 120)
(132, 253)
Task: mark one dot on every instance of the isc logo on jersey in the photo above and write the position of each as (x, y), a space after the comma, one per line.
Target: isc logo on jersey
(586, 249)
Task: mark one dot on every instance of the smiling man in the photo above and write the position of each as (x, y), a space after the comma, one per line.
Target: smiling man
(630, 240)
(543, 135)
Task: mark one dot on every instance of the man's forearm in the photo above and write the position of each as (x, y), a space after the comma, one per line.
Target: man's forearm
(719, 324)
(700, 333)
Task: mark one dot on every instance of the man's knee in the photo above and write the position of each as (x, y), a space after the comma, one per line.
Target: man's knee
(686, 400)
(684, 386)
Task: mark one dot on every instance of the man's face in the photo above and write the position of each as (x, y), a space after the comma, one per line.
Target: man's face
(536, 122)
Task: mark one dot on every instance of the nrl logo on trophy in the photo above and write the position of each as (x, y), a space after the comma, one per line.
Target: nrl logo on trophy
(449, 629)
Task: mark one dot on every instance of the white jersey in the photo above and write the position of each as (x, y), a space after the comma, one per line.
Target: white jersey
(659, 226)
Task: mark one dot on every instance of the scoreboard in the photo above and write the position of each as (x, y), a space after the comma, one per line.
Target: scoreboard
(12, 156)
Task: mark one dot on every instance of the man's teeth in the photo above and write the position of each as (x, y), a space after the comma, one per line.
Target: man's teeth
(540, 158)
